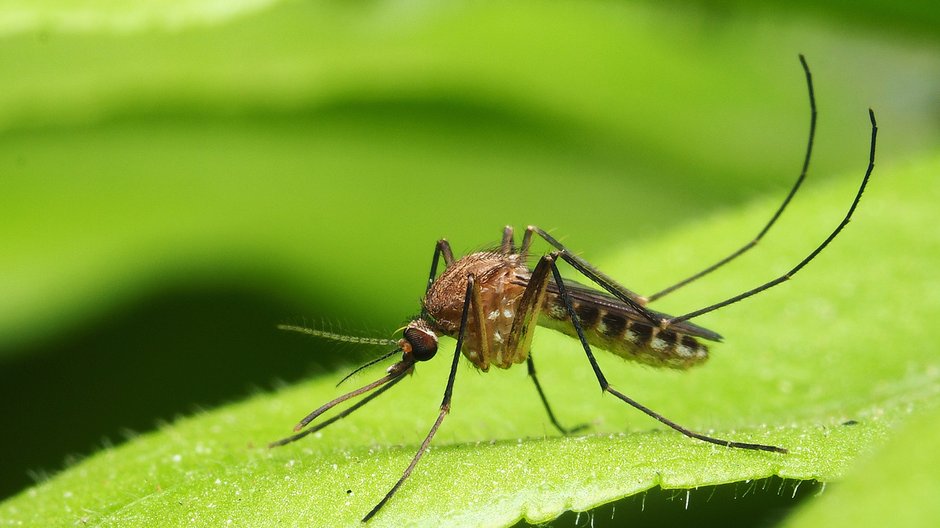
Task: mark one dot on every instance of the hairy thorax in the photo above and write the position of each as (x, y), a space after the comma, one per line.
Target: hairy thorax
(490, 323)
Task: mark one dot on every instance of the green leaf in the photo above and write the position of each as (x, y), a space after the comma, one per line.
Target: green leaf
(897, 486)
(800, 361)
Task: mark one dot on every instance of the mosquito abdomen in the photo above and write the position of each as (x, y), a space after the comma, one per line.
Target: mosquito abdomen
(628, 338)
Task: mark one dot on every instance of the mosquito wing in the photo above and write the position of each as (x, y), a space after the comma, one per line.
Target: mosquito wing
(585, 295)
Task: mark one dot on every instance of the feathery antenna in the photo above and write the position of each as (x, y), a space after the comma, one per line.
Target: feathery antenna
(343, 338)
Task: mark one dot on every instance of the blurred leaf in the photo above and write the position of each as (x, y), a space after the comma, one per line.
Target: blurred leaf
(126, 16)
(812, 365)
(914, 17)
(292, 147)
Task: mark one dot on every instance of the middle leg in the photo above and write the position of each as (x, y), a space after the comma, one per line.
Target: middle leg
(523, 326)
(548, 408)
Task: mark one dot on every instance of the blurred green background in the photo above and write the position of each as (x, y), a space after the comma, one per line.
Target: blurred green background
(177, 178)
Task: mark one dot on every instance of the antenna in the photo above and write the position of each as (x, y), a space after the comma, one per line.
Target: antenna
(343, 338)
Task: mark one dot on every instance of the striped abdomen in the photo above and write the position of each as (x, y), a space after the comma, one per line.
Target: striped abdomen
(611, 329)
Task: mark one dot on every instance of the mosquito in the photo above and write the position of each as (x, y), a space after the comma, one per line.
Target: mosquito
(491, 302)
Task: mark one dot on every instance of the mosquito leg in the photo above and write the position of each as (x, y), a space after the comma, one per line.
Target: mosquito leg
(479, 320)
(605, 385)
(507, 246)
(524, 322)
(519, 340)
(548, 408)
(634, 300)
(441, 248)
(526, 243)
(773, 219)
(445, 403)
(340, 416)
(788, 275)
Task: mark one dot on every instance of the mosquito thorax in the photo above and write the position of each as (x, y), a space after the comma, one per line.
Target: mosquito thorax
(419, 341)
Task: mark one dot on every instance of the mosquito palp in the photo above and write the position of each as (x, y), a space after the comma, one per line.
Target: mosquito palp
(360, 368)
(310, 430)
(491, 302)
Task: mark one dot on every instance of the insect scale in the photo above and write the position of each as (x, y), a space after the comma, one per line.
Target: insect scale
(491, 302)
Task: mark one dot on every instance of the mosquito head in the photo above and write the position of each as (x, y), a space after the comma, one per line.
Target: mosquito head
(419, 341)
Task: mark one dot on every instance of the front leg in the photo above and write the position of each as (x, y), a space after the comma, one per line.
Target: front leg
(441, 248)
(445, 403)
(508, 245)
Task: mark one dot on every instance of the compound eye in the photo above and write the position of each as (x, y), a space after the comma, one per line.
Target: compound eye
(423, 344)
